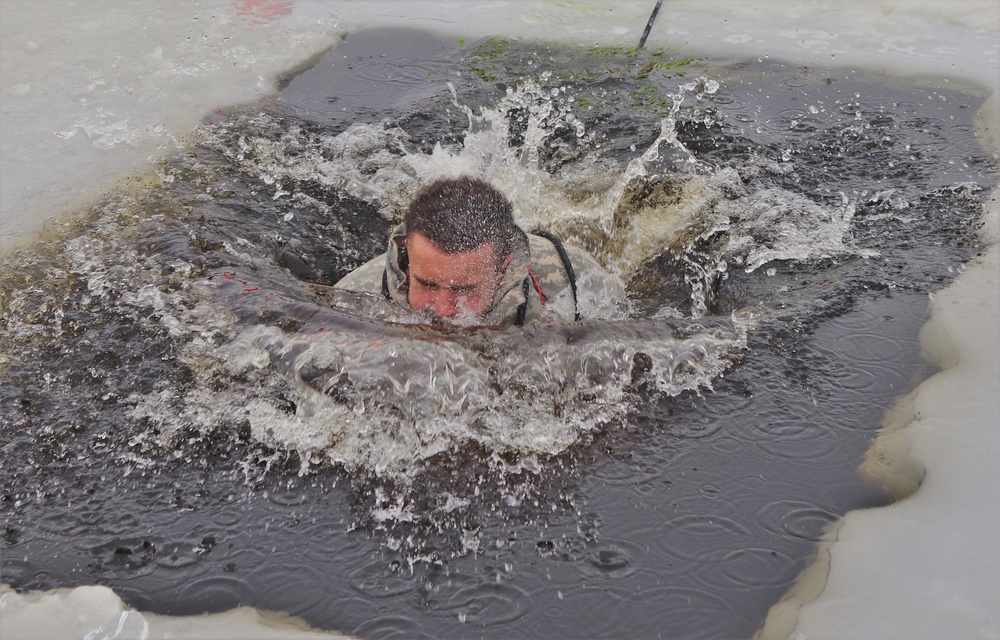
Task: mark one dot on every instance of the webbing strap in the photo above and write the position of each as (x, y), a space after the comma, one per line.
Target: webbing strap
(522, 310)
(385, 285)
(567, 265)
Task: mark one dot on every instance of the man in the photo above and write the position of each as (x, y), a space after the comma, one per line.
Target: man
(459, 256)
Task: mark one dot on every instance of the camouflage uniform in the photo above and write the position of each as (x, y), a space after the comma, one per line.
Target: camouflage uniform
(536, 286)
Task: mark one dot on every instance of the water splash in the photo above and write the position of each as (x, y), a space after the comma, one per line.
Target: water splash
(383, 396)
(677, 154)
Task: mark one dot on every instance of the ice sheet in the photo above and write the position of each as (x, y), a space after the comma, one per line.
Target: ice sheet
(96, 613)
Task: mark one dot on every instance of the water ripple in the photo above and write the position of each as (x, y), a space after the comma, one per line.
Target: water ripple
(711, 531)
(614, 559)
(178, 555)
(380, 579)
(625, 612)
(481, 603)
(227, 518)
(389, 627)
(797, 519)
(132, 556)
(753, 568)
(218, 593)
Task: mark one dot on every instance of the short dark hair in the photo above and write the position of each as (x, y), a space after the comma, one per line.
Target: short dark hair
(462, 214)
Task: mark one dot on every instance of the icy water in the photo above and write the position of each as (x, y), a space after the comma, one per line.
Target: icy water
(191, 418)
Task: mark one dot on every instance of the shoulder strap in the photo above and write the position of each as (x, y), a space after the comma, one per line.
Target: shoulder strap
(522, 310)
(567, 265)
(385, 285)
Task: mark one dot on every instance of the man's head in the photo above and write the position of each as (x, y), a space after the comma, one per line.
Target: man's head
(459, 235)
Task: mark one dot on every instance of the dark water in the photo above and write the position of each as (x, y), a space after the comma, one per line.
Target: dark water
(128, 460)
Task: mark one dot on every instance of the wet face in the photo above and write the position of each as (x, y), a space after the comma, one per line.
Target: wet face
(454, 286)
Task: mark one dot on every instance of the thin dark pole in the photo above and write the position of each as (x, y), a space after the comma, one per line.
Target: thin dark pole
(649, 25)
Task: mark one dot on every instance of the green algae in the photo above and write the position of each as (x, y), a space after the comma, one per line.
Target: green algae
(612, 76)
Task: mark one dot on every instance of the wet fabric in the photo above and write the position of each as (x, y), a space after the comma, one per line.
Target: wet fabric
(519, 300)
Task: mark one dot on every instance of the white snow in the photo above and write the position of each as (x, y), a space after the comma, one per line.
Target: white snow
(96, 613)
(932, 560)
(94, 90)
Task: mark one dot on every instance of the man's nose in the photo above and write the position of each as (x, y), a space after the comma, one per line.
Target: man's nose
(445, 304)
